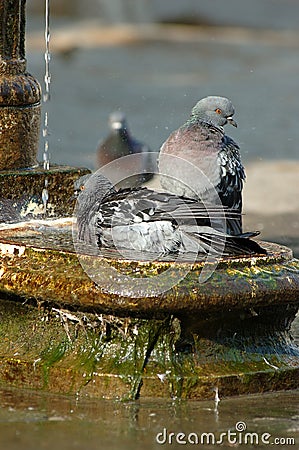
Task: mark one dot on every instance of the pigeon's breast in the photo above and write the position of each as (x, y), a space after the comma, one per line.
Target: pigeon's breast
(188, 161)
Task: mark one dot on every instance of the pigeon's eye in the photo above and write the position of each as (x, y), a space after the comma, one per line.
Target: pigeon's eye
(218, 111)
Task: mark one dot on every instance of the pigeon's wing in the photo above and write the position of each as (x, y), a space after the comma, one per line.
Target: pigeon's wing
(138, 205)
(125, 207)
(232, 174)
(147, 160)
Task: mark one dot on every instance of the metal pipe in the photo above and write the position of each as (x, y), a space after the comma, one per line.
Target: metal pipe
(20, 92)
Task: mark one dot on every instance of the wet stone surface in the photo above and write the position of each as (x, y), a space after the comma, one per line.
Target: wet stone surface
(115, 340)
(23, 189)
(20, 93)
(34, 266)
(102, 356)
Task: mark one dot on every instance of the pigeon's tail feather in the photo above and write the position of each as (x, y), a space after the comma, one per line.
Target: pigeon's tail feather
(245, 241)
(226, 245)
(249, 234)
(249, 246)
(234, 227)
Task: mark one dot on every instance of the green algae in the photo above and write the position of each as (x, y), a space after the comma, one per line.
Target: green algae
(108, 356)
(50, 356)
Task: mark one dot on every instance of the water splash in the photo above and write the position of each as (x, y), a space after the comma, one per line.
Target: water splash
(46, 98)
(216, 400)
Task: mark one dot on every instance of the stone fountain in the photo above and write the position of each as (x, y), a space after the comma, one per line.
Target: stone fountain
(20, 117)
(61, 332)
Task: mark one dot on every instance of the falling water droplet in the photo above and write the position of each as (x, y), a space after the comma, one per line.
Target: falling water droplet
(45, 198)
(46, 98)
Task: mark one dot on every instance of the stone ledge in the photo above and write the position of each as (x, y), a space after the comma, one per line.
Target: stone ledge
(26, 185)
(31, 270)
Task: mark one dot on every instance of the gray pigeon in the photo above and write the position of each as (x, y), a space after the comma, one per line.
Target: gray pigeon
(143, 220)
(121, 143)
(216, 172)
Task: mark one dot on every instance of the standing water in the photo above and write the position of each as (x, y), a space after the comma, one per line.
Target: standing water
(35, 420)
(46, 98)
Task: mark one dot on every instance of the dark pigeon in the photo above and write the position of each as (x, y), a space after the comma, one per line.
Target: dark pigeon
(121, 143)
(202, 142)
(143, 220)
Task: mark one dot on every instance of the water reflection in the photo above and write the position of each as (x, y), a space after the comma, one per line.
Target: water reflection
(36, 420)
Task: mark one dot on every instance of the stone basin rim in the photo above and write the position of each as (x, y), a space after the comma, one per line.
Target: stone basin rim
(277, 253)
(57, 278)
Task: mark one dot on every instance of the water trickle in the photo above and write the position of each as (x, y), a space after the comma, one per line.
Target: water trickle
(216, 400)
(47, 77)
(46, 98)
(45, 195)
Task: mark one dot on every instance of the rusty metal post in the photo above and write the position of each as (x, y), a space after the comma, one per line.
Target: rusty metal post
(20, 92)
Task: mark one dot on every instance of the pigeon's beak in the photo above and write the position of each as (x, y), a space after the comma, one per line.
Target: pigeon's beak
(74, 197)
(232, 121)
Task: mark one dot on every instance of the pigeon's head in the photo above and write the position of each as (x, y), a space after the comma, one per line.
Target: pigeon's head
(79, 184)
(91, 190)
(117, 121)
(216, 110)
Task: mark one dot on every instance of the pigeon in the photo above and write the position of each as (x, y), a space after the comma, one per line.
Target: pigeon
(120, 143)
(214, 172)
(144, 220)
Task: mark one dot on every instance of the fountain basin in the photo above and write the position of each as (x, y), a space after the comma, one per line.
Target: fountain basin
(27, 184)
(63, 333)
(45, 251)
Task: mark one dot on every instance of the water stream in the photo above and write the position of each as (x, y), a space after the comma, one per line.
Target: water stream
(46, 98)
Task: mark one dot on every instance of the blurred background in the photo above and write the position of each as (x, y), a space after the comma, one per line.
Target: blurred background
(256, 13)
(155, 59)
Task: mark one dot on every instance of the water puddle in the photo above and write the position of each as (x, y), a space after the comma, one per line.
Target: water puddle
(37, 420)
(47, 234)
